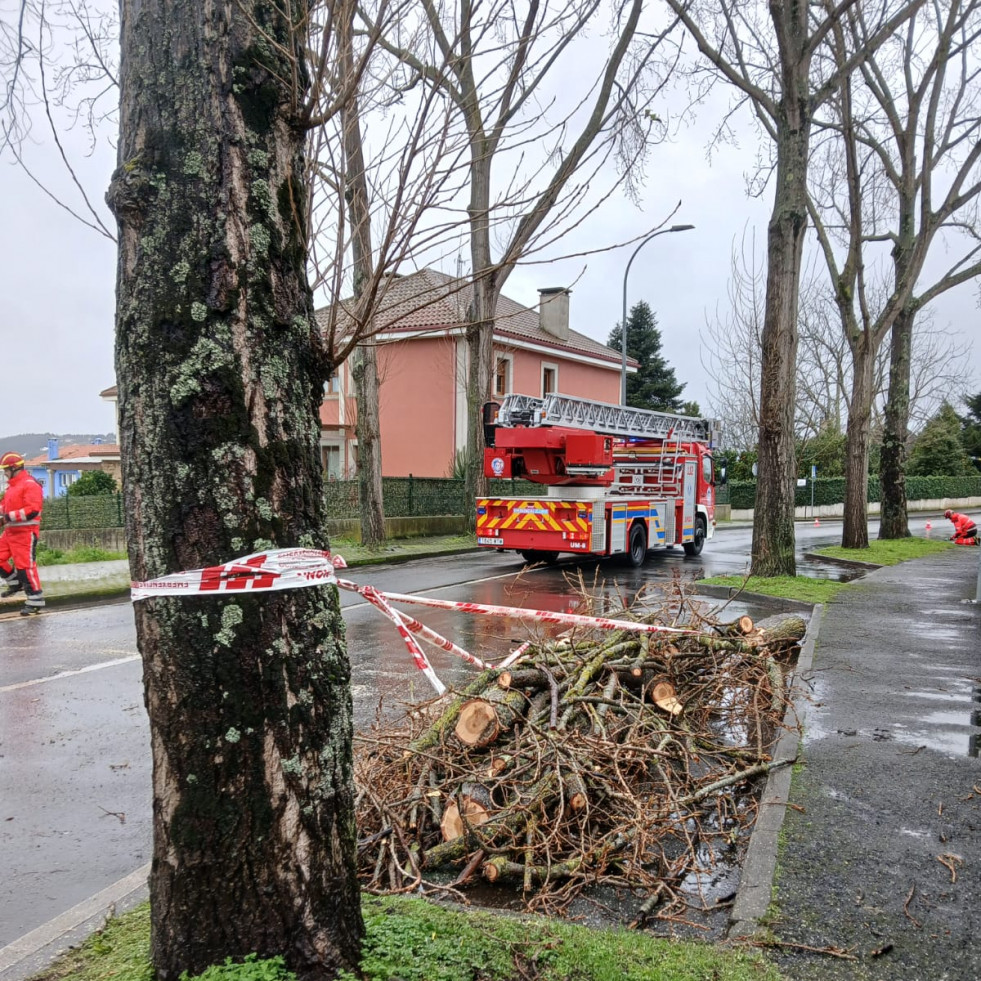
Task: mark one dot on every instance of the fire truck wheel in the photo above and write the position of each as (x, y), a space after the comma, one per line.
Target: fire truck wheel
(695, 547)
(533, 557)
(637, 552)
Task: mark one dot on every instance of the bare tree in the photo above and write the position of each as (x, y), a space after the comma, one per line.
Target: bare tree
(907, 123)
(773, 59)
(731, 357)
(377, 199)
(59, 65)
(496, 60)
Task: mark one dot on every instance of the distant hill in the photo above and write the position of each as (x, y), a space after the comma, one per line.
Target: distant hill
(32, 444)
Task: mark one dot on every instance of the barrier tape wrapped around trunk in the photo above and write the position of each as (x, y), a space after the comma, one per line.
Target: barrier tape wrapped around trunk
(284, 568)
(295, 568)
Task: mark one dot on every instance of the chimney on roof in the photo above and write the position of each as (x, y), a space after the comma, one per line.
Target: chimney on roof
(553, 311)
(52, 449)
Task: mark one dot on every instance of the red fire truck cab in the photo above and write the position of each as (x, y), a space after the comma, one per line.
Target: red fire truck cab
(615, 480)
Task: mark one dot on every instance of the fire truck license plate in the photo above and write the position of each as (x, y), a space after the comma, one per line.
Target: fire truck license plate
(490, 541)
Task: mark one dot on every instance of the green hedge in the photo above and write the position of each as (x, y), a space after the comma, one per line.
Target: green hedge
(96, 511)
(831, 490)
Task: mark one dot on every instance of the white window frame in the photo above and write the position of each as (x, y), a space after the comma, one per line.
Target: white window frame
(554, 368)
(326, 446)
(508, 361)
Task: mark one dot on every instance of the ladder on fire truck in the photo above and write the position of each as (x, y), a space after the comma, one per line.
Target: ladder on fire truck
(652, 469)
(602, 417)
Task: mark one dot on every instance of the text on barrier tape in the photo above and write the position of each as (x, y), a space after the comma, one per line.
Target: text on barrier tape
(284, 568)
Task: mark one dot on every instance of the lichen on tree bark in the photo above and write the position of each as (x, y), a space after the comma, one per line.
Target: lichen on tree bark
(220, 373)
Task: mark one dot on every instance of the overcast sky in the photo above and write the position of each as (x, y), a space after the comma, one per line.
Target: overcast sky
(57, 281)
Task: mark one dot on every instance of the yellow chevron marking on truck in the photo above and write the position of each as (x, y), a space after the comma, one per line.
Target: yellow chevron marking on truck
(531, 515)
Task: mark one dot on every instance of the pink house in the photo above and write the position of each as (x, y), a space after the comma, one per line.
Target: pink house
(422, 369)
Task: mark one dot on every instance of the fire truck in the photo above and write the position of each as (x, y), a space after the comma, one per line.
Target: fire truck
(615, 480)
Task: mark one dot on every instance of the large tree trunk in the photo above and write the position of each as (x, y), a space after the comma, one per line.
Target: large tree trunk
(894, 522)
(220, 376)
(773, 519)
(855, 529)
(369, 445)
(365, 367)
(479, 332)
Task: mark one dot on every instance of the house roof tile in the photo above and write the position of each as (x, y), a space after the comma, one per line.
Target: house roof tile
(428, 300)
(77, 452)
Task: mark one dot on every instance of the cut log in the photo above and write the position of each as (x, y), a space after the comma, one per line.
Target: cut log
(500, 868)
(575, 790)
(434, 734)
(482, 720)
(781, 631)
(477, 725)
(521, 678)
(665, 697)
(471, 807)
(745, 625)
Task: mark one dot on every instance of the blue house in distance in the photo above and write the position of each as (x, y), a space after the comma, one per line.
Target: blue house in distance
(58, 469)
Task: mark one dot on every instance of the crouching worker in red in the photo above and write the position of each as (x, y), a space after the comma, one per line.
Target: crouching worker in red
(965, 529)
(21, 511)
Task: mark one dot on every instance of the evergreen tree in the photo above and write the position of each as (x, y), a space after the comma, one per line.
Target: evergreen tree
(938, 450)
(971, 428)
(654, 386)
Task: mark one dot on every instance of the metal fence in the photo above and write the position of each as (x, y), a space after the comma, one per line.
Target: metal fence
(97, 511)
(404, 497)
(414, 497)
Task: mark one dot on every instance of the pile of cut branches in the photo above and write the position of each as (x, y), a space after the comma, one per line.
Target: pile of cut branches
(598, 758)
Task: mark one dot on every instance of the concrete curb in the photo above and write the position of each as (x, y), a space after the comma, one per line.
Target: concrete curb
(760, 864)
(36, 950)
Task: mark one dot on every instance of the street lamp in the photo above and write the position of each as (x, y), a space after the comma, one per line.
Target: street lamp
(623, 323)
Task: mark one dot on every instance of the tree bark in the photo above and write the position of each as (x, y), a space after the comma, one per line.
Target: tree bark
(480, 329)
(855, 527)
(365, 366)
(894, 522)
(773, 519)
(220, 373)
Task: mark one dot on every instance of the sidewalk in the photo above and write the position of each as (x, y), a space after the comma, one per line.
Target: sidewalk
(880, 851)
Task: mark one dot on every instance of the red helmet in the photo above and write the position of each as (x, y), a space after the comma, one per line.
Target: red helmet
(11, 461)
(947, 513)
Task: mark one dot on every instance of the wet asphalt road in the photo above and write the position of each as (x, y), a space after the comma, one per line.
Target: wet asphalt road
(74, 747)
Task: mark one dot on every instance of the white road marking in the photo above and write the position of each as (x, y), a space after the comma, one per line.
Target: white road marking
(70, 674)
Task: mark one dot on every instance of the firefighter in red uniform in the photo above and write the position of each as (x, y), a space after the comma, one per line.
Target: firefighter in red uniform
(21, 512)
(965, 529)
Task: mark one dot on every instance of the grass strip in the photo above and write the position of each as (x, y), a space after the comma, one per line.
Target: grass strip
(803, 589)
(809, 590)
(416, 940)
(888, 551)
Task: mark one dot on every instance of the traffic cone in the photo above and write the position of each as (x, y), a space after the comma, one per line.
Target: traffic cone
(928, 527)
(817, 522)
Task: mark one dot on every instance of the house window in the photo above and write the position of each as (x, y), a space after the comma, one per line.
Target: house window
(333, 384)
(502, 377)
(332, 460)
(550, 379)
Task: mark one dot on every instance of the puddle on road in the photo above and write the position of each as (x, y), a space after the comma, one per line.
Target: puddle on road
(820, 569)
(948, 741)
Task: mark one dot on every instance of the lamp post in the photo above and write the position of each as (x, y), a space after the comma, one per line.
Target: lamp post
(623, 323)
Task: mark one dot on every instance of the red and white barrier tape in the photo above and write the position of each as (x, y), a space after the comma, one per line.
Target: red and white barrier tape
(540, 616)
(295, 568)
(284, 568)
